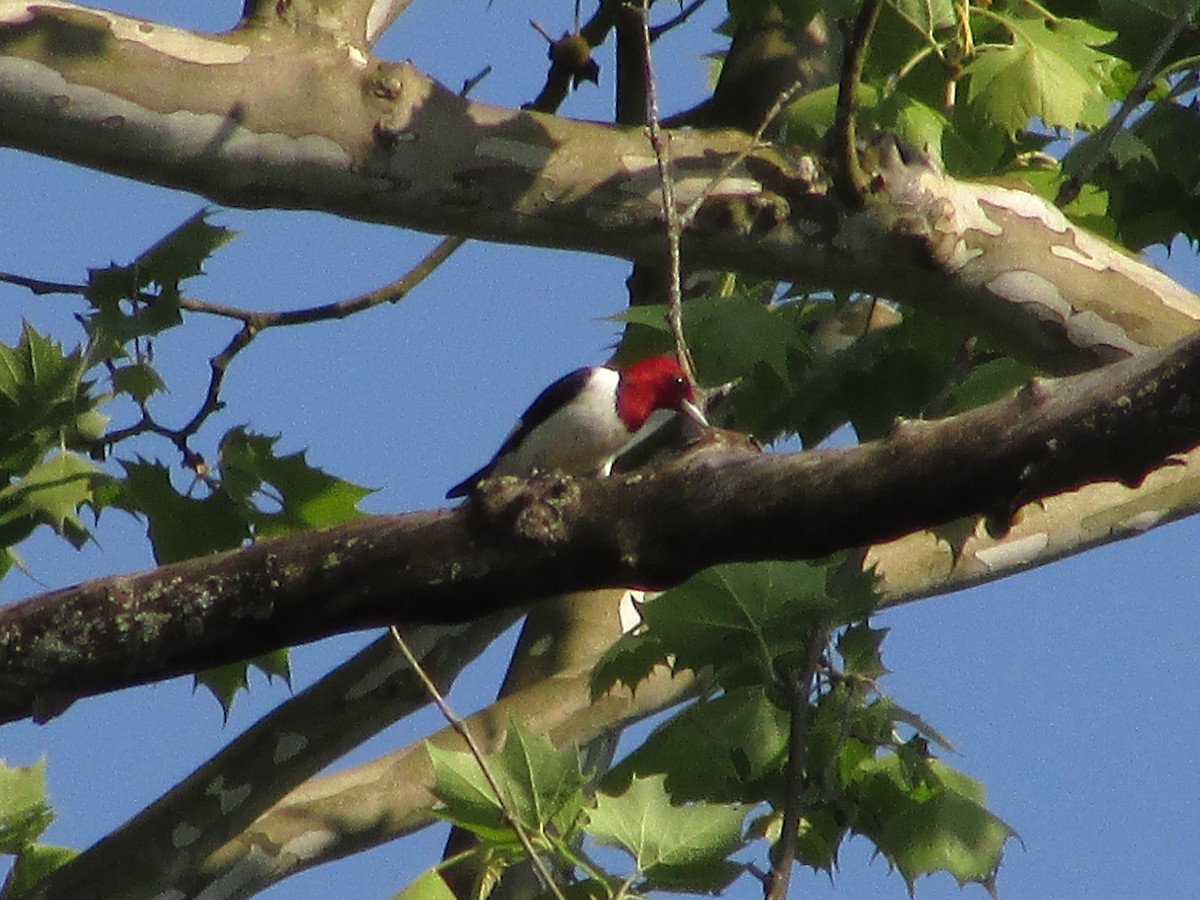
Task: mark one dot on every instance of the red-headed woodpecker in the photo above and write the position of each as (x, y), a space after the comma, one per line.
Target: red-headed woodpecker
(583, 421)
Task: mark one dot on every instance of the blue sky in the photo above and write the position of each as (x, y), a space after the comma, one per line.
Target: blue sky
(1070, 691)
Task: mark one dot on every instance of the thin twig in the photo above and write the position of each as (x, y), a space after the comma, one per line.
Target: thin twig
(1071, 187)
(683, 15)
(253, 322)
(799, 687)
(261, 320)
(40, 288)
(471, 83)
(473, 746)
(671, 218)
(755, 143)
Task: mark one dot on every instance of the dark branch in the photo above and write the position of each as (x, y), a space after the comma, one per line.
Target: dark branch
(849, 178)
(799, 687)
(519, 542)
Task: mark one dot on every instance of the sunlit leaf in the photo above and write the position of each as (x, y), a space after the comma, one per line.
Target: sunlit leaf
(540, 785)
(284, 493)
(720, 750)
(678, 847)
(51, 493)
(24, 809)
(1049, 71)
(937, 823)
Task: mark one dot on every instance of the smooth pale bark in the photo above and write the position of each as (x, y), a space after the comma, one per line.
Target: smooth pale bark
(287, 117)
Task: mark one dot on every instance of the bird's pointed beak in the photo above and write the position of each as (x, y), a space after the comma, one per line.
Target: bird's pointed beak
(692, 411)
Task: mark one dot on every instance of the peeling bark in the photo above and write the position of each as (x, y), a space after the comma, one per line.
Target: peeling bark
(244, 118)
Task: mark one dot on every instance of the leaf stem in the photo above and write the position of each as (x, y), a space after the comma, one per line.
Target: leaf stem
(461, 728)
(672, 221)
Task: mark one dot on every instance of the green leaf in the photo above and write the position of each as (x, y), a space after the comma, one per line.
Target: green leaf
(744, 619)
(429, 885)
(729, 334)
(51, 493)
(673, 847)
(182, 253)
(893, 371)
(24, 810)
(44, 402)
(306, 497)
(125, 309)
(276, 664)
(725, 750)
(176, 257)
(1155, 194)
(928, 16)
(541, 785)
(1049, 71)
(33, 864)
(225, 682)
(181, 527)
(859, 646)
(139, 380)
(933, 823)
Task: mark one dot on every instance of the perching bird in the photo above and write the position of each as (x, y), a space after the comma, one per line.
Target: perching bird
(583, 421)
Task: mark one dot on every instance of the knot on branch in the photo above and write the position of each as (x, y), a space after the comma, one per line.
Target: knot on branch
(746, 216)
(530, 509)
(400, 91)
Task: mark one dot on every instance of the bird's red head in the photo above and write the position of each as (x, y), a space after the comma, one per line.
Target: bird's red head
(655, 383)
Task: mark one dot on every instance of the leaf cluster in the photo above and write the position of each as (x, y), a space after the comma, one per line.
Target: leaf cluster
(710, 783)
(54, 435)
(983, 87)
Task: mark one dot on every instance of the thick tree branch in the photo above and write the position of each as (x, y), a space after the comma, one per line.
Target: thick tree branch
(522, 542)
(243, 119)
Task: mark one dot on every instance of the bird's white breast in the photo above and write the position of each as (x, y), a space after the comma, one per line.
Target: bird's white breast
(580, 438)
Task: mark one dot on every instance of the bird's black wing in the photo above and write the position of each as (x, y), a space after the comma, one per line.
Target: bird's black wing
(554, 397)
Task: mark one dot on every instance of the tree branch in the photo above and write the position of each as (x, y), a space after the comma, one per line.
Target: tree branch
(523, 541)
(406, 151)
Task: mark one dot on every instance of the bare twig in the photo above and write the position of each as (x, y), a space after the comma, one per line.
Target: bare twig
(41, 288)
(471, 83)
(671, 219)
(798, 686)
(261, 320)
(755, 142)
(253, 322)
(684, 14)
(1071, 187)
(476, 751)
